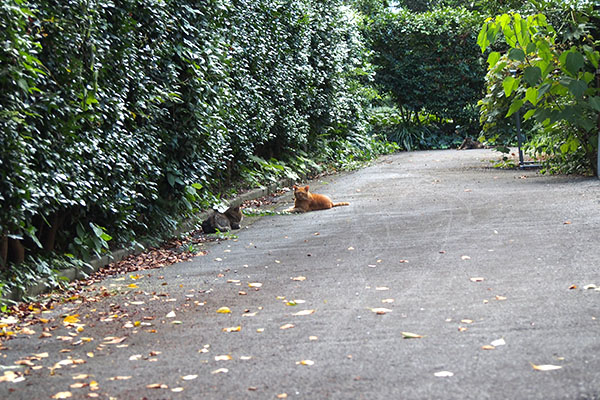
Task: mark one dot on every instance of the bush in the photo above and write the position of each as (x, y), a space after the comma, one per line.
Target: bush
(430, 63)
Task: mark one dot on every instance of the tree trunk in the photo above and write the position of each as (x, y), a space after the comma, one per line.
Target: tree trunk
(3, 251)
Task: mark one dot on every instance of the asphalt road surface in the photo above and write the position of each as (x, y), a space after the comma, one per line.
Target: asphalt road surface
(492, 271)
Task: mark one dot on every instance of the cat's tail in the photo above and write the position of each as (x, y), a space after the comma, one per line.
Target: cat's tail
(343, 203)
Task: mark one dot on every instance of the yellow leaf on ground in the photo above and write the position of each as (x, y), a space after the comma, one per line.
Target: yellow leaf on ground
(71, 319)
(224, 310)
(305, 362)
(255, 284)
(225, 357)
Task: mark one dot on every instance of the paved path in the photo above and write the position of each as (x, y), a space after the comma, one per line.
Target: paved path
(457, 252)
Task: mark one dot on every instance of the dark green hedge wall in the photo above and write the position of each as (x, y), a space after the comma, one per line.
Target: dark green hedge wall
(125, 114)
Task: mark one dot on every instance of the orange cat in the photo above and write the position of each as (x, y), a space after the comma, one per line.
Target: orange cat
(306, 201)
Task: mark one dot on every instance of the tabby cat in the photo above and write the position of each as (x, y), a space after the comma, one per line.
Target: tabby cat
(223, 222)
(306, 201)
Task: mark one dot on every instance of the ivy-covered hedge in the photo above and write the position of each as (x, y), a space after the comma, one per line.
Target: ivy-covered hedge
(430, 63)
(119, 116)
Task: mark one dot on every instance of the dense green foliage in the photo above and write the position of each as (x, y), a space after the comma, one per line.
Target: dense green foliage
(430, 64)
(119, 117)
(550, 77)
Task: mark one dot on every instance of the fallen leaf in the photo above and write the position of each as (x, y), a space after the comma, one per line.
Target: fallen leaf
(313, 338)
(132, 286)
(62, 395)
(499, 342)
(113, 340)
(403, 261)
(189, 377)
(119, 378)
(171, 314)
(80, 376)
(573, 287)
(233, 329)
(444, 374)
(387, 300)
(545, 367)
(466, 321)
(299, 278)
(382, 288)
(177, 390)
(220, 371)
(225, 357)
(305, 362)
(590, 286)
(304, 312)
(282, 396)
(409, 335)
(465, 258)
(224, 310)
(500, 298)
(255, 284)
(71, 319)
(157, 386)
(78, 385)
(477, 279)
(286, 326)
(380, 311)
(488, 347)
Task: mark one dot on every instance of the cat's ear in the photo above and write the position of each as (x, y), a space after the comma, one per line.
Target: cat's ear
(306, 188)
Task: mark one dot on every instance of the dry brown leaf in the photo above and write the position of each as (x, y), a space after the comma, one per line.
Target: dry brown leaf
(304, 312)
(233, 329)
(113, 340)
